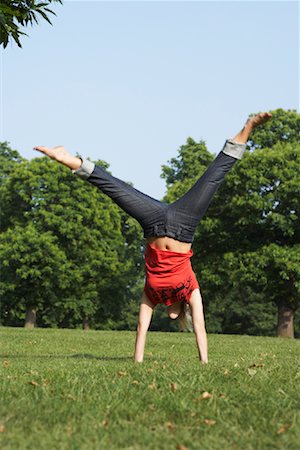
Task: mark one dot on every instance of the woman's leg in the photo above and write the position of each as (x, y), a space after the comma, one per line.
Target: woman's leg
(196, 201)
(135, 203)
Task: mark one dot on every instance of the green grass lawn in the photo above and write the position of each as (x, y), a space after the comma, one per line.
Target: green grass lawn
(72, 389)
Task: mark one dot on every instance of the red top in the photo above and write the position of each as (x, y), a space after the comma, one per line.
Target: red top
(169, 276)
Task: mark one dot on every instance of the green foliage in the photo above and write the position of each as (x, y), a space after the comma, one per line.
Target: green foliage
(34, 271)
(247, 247)
(15, 14)
(261, 227)
(273, 270)
(95, 236)
(8, 158)
(265, 189)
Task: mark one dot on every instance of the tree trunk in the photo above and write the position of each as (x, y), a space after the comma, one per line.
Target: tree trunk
(285, 324)
(86, 323)
(30, 318)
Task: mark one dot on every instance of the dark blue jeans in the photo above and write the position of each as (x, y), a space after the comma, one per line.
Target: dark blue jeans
(177, 220)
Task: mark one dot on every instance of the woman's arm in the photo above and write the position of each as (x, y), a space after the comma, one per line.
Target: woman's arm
(146, 311)
(199, 324)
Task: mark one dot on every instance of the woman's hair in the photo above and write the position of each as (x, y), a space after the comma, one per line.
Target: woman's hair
(185, 318)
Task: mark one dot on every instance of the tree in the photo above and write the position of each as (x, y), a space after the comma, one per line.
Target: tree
(130, 282)
(8, 158)
(247, 245)
(54, 201)
(15, 14)
(34, 271)
(97, 239)
(264, 227)
(267, 191)
(271, 273)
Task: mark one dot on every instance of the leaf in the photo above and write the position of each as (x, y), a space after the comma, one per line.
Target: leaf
(281, 391)
(152, 385)
(104, 423)
(209, 422)
(2, 428)
(181, 447)
(284, 428)
(135, 382)
(42, 13)
(6, 363)
(122, 373)
(252, 372)
(33, 383)
(69, 430)
(32, 372)
(174, 387)
(169, 425)
(206, 395)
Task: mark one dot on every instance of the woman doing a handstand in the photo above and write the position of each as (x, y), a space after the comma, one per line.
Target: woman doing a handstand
(169, 230)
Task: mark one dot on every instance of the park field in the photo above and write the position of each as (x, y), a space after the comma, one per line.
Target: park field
(73, 389)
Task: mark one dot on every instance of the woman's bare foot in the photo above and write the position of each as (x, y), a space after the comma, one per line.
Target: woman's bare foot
(61, 155)
(259, 119)
(253, 122)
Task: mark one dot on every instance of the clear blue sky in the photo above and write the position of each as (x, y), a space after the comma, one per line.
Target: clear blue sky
(128, 82)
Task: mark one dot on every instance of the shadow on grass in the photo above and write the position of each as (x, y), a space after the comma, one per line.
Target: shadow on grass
(79, 356)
